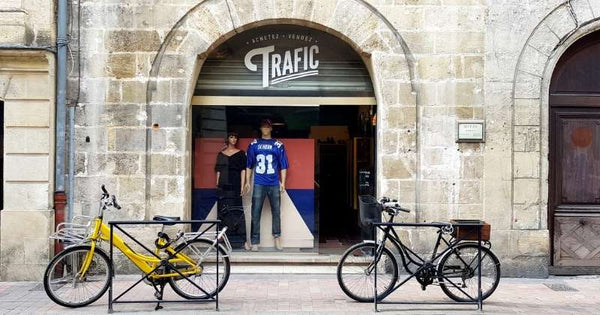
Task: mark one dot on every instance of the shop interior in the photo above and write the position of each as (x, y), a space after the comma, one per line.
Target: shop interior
(344, 162)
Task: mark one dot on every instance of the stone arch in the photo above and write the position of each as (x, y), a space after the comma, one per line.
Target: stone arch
(177, 64)
(560, 28)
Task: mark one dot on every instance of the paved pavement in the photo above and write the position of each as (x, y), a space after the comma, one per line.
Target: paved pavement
(320, 294)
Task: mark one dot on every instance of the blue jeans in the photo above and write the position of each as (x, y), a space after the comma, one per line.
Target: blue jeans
(258, 198)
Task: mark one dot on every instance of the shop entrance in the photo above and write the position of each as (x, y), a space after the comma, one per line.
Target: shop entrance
(332, 161)
(345, 170)
(317, 92)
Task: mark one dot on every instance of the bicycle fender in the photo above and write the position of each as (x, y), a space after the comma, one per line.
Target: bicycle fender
(483, 244)
(89, 256)
(87, 261)
(466, 243)
(212, 240)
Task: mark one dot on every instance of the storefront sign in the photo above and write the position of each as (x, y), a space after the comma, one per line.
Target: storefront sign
(289, 65)
(470, 131)
(287, 61)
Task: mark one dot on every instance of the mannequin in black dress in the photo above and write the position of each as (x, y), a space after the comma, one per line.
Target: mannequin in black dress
(231, 176)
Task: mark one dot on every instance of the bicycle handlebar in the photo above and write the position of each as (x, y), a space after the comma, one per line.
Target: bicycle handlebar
(392, 206)
(114, 202)
(107, 200)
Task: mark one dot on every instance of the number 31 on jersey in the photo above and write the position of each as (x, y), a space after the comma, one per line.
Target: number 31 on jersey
(264, 163)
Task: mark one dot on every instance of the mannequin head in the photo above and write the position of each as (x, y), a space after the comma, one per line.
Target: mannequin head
(232, 139)
(266, 127)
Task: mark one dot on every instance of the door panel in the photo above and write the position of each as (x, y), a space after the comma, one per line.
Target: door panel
(576, 194)
(577, 241)
(579, 158)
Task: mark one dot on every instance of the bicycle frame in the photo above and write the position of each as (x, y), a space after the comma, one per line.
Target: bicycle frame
(405, 252)
(145, 263)
(425, 265)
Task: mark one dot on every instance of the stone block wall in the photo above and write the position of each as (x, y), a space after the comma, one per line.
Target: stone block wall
(27, 90)
(432, 62)
(26, 220)
(27, 23)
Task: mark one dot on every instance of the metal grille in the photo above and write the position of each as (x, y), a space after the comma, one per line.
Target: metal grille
(37, 287)
(336, 78)
(561, 287)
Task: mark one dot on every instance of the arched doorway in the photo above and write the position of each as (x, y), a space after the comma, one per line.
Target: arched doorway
(318, 94)
(574, 157)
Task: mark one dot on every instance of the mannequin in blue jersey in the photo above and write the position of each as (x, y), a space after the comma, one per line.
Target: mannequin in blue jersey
(266, 157)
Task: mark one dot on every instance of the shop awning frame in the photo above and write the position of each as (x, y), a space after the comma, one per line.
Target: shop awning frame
(280, 101)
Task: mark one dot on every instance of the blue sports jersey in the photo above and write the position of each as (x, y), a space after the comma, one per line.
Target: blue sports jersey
(266, 157)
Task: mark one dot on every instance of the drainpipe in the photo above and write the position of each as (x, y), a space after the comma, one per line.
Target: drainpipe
(71, 177)
(61, 102)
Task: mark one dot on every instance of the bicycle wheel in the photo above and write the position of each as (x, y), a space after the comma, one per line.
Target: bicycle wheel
(203, 252)
(355, 272)
(459, 267)
(63, 282)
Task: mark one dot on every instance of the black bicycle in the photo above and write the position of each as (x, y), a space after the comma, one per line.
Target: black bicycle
(454, 268)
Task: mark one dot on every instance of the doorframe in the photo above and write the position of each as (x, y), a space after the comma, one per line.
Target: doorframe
(548, 142)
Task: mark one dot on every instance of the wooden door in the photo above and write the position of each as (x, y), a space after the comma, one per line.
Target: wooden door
(577, 188)
(574, 191)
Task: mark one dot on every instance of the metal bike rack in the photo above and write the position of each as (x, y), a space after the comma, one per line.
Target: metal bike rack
(164, 263)
(478, 301)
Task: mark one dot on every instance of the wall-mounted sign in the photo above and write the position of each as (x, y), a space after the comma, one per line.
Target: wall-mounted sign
(470, 131)
(289, 65)
(284, 60)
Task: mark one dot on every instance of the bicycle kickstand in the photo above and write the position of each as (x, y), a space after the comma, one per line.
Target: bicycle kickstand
(159, 295)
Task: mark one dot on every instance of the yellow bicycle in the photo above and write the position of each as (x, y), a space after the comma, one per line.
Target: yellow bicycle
(80, 274)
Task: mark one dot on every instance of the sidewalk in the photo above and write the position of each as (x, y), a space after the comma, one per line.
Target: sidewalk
(320, 294)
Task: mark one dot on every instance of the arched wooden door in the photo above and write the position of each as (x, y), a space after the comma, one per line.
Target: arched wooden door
(574, 186)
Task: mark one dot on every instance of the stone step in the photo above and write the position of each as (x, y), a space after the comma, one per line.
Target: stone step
(245, 268)
(281, 258)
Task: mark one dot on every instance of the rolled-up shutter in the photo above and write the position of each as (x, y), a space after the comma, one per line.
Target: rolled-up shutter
(340, 73)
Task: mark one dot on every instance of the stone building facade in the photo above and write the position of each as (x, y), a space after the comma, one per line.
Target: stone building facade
(27, 74)
(432, 63)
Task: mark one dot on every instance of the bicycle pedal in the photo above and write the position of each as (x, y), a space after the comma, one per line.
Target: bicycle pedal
(157, 295)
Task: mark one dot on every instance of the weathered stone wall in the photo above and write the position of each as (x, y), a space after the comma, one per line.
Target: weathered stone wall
(27, 23)
(27, 32)
(26, 220)
(433, 62)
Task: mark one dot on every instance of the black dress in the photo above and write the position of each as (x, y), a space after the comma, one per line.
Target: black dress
(229, 201)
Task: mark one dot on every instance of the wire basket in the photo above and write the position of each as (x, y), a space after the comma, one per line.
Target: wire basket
(73, 233)
(370, 210)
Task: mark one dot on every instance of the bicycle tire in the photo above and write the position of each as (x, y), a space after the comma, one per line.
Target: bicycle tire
(178, 282)
(80, 252)
(363, 254)
(460, 257)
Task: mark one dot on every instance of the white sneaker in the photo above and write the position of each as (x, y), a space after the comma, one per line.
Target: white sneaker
(278, 244)
(247, 246)
(255, 248)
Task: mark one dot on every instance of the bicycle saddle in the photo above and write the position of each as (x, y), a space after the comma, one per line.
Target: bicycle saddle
(166, 220)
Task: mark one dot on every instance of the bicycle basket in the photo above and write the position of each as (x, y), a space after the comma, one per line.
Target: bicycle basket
(71, 233)
(370, 210)
(467, 232)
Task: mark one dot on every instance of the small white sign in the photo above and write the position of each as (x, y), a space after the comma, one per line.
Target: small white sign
(470, 131)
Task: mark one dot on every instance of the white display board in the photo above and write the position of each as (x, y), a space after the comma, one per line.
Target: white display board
(470, 131)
